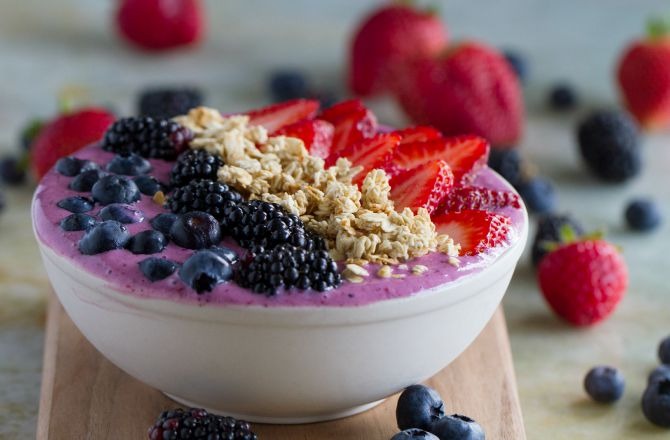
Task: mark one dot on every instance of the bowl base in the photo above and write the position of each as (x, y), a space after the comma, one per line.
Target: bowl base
(280, 420)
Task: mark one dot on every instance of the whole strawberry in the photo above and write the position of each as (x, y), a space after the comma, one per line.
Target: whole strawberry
(157, 25)
(469, 89)
(66, 134)
(388, 37)
(644, 77)
(583, 281)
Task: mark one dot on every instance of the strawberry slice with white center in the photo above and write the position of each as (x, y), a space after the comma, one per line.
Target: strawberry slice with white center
(466, 155)
(352, 121)
(370, 153)
(419, 133)
(476, 231)
(422, 187)
(315, 133)
(280, 115)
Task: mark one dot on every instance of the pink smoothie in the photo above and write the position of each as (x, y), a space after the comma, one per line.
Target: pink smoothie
(119, 268)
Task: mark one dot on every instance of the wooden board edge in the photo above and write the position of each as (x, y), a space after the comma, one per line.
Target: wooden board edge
(52, 334)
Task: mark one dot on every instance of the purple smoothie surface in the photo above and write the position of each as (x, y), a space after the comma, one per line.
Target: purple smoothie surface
(119, 268)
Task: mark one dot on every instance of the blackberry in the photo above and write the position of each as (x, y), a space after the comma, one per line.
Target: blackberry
(508, 163)
(167, 103)
(192, 165)
(148, 137)
(549, 230)
(197, 424)
(203, 195)
(259, 225)
(289, 267)
(288, 84)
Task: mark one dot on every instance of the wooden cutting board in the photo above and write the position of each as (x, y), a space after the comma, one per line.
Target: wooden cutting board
(84, 396)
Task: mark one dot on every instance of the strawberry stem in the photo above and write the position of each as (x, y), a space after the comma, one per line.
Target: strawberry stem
(658, 27)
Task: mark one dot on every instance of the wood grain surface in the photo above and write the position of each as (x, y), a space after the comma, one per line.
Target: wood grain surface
(84, 396)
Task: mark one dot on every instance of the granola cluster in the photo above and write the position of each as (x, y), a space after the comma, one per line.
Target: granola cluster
(361, 226)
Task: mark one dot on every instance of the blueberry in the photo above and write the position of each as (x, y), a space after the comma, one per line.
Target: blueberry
(71, 166)
(414, 434)
(12, 172)
(457, 427)
(643, 215)
(660, 372)
(76, 204)
(664, 351)
(327, 98)
(604, 384)
(195, 230)
(104, 237)
(419, 407)
(147, 242)
(507, 162)
(288, 84)
(539, 194)
(84, 181)
(562, 97)
(149, 185)
(131, 165)
(77, 222)
(518, 64)
(163, 222)
(656, 403)
(115, 189)
(121, 213)
(205, 269)
(226, 253)
(156, 269)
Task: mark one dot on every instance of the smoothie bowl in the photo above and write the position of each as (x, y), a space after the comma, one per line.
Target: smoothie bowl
(224, 262)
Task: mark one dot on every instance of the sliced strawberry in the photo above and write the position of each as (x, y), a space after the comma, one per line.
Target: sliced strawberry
(422, 187)
(474, 230)
(418, 133)
(370, 153)
(353, 122)
(465, 198)
(315, 133)
(280, 115)
(465, 155)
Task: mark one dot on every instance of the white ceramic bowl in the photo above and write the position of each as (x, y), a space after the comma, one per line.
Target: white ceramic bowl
(289, 364)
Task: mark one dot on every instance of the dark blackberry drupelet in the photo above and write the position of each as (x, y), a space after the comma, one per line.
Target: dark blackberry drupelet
(289, 267)
(169, 102)
(198, 424)
(549, 231)
(148, 137)
(203, 195)
(259, 225)
(193, 165)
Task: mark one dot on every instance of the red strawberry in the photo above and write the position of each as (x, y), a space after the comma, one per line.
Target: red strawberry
(353, 122)
(470, 89)
(66, 134)
(386, 38)
(370, 153)
(419, 133)
(160, 24)
(466, 155)
(644, 78)
(476, 231)
(422, 187)
(583, 281)
(315, 133)
(477, 197)
(276, 116)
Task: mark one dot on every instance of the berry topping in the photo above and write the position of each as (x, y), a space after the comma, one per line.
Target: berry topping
(225, 252)
(168, 103)
(315, 133)
(604, 384)
(286, 113)
(418, 133)
(132, 165)
(465, 198)
(372, 153)
(288, 84)
(163, 222)
(12, 170)
(352, 121)
(121, 213)
(458, 427)
(414, 434)
(286, 266)
(194, 165)
(475, 231)
(419, 407)
(656, 402)
(205, 269)
(664, 351)
(659, 373)
(422, 187)
(147, 242)
(115, 189)
(77, 222)
(643, 215)
(156, 269)
(76, 204)
(257, 223)
(198, 424)
(549, 231)
(149, 185)
(195, 230)
(71, 166)
(148, 137)
(508, 164)
(203, 195)
(85, 180)
(103, 237)
(538, 193)
(610, 145)
(562, 97)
